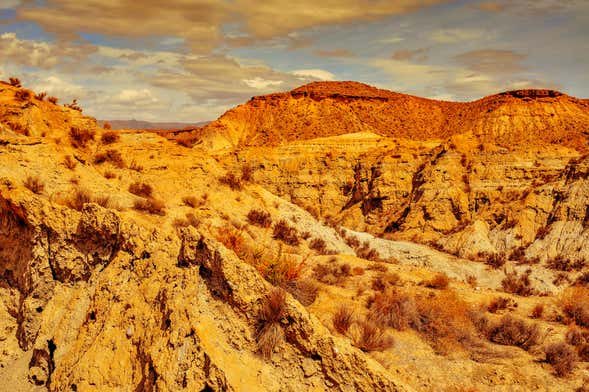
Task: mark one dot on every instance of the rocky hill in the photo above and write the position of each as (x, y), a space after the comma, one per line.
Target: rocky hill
(336, 237)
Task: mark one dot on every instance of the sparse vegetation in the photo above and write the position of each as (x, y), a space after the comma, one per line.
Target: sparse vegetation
(519, 284)
(79, 198)
(23, 95)
(371, 337)
(15, 82)
(269, 330)
(34, 184)
(286, 233)
(395, 309)
(247, 172)
(333, 274)
(562, 357)
(259, 218)
(303, 290)
(575, 305)
(70, 162)
(40, 96)
(80, 138)
(511, 331)
(141, 189)
(112, 156)
(501, 303)
(109, 137)
(342, 319)
(440, 281)
(53, 100)
(231, 181)
(150, 205)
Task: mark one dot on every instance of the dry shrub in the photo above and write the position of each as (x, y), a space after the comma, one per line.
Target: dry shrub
(109, 137)
(247, 172)
(70, 162)
(41, 96)
(186, 140)
(107, 126)
(14, 81)
(53, 100)
(80, 138)
(79, 198)
(231, 181)
(319, 245)
(269, 331)
(357, 271)
(537, 311)
(562, 357)
(368, 253)
(112, 156)
(579, 338)
(104, 201)
(495, 260)
(109, 175)
(259, 218)
(583, 279)
(342, 319)
(303, 290)
(395, 309)
(23, 95)
(510, 331)
(518, 284)
(334, 274)
(575, 305)
(444, 320)
(192, 201)
(190, 220)
(233, 239)
(34, 184)
(501, 303)
(150, 205)
(284, 232)
(377, 267)
(281, 269)
(384, 280)
(371, 337)
(560, 263)
(440, 281)
(141, 189)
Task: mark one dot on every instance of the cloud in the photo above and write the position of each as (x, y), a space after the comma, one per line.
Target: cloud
(318, 74)
(492, 61)
(334, 53)
(407, 54)
(9, 4)
(447, 36)
(38, 53)
(491, 6)
(390, 40)
(261, 84)
(60, 88)
(141, 97)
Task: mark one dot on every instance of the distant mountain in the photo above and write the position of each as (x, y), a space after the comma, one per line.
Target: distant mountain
(136, 124)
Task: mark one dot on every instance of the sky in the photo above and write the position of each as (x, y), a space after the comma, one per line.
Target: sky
(191, 60)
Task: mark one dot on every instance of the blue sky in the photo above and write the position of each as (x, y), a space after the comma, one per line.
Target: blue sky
(190, 60)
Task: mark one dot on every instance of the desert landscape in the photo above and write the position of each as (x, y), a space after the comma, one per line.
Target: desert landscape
(274, 250)
(294, 196)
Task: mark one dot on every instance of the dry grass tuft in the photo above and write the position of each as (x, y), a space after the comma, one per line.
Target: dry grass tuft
(192, 201)
(384, 280)
(79, 198)
(41, 96)
(394, 309)
(112, 156)
(518, 284)
(70, 162)
(303, 290)
(259, 218)
(562, 357)
(537, 311)
(574, 302)
(110, 137)
(501, 303)
(284, 232)
(372, 337)
(440, 282)
(141, 189)
(23, 95)
(34, 184)
(334, 274)
(269, 332)
(14, 81)
(510, 331)
(80, 138)
(53, 100)
(231, 181)
(150, 205)
(343, 319)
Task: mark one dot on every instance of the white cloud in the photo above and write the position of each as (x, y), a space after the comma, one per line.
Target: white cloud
(447, 36)
(261, 84)
(390, 40)
(53, 85)
(318, 74)
(135, 97)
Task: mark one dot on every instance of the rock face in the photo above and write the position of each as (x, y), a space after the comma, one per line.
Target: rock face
(134, 263)
(323, 109)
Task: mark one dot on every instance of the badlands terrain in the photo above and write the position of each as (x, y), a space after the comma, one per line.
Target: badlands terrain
(334, 237)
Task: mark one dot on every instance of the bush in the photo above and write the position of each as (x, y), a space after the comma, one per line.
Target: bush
(15, 82)
(537, 311)
(231, 181)
(110, 137)
(23, 95)
(367, 253)
(112, 156)
(247, 172)
(440, 282)
(269, 331)
(284, 232)
(343, 319)
(518, 284)
(394, 309)
(332, 274)
(501, 303)
(107, 126)
(150, 205)
(41, 96)
(562, 357)
(70, 162)
(510, 331)
(372, 337)
(109, 175)
(303, 290)
(384, 279)
(53, 100)
(34, 184)
(259, 218)
(562, 264)
(81, 137)
(79, 198)
(575, 305)
(141, 189)
(319, 245)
